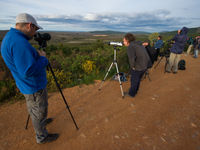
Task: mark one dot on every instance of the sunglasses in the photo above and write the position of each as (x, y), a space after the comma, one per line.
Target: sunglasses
(34, 26)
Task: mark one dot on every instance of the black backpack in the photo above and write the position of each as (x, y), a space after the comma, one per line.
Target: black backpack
(152, 53)
(181, 65)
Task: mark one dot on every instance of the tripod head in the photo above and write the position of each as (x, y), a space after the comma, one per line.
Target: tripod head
(42, 39)
(115, 44)
(165, 53)
(116, 47)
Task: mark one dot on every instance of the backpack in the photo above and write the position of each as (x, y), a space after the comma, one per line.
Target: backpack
(121, 75)
(181, 65)
(152, 53)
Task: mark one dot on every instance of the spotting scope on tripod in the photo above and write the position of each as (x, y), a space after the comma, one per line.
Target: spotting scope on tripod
(115, 45)
(42, 41)
(165, 54)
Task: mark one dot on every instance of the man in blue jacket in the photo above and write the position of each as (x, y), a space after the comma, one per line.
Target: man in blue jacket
(158, 45)
(28, 67)
(180, 40)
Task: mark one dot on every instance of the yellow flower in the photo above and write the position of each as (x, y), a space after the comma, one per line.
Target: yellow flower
(88, 66)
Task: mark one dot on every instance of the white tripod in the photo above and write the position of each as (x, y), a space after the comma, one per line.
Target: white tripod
(113, 63)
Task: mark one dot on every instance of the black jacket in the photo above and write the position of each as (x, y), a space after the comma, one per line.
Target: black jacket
(138, 56)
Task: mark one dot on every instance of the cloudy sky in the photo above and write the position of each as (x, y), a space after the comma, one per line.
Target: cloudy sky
(116, 15)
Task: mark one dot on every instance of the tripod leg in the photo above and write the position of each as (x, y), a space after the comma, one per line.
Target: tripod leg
(144, 76)
(67, 106)
(105, 76)
(148, 75)
(166, 63)
(158, 62)
(120, 83)
(26, 127)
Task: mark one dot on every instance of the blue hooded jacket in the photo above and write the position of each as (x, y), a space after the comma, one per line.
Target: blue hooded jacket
(159, 44)
(26, 65)
(180, 41)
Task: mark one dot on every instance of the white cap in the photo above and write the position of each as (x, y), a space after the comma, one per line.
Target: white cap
(26, 18)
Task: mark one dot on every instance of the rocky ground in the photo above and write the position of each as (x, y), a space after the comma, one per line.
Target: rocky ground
(165, 115)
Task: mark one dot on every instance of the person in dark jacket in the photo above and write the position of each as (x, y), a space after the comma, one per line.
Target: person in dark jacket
(177, 48)
(138, 60)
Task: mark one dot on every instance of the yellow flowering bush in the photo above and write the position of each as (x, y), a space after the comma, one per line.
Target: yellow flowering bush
(62, 78)
(88, 66)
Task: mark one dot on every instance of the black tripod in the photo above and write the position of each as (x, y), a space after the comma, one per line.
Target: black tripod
(146, 74)
(166, 62)
(43, 45)
(114, 63)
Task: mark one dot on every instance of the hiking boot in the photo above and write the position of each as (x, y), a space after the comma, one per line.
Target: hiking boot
(168, 71)
(49, 138)
(48, 120)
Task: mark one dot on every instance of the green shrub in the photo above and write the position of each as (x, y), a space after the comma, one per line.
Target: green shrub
(8, 89)
(74, 65)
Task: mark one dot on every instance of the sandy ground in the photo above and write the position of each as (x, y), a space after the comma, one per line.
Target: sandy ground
(165, 115)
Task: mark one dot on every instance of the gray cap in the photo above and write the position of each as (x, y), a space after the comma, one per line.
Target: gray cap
(26, 18)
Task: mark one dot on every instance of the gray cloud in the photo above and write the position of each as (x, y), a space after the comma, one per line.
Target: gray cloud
(155, 21)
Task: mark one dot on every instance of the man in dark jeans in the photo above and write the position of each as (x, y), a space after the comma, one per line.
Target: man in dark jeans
(139, 62)
(28, 67)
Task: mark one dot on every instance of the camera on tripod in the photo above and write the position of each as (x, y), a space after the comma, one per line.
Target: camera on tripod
(42, 39)
(165, 53)
(115, 43)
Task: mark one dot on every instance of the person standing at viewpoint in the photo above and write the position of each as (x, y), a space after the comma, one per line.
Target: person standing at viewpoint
(138, 60)
(180, 40)
(28, 67)
(158, 45)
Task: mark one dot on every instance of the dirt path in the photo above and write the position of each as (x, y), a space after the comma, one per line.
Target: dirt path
(165, 115)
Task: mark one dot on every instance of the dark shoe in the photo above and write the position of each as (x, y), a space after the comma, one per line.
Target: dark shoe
(174, 72)
(127, 95)
(48, 120)
(49, 138)
(167, 71)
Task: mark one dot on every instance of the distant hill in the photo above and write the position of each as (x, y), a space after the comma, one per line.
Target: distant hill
(139, 32)
(192, 32)
(111, 34)
(118, 32)
(107, 32)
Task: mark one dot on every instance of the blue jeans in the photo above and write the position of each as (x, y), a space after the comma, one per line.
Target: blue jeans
(37, 105)
(136, 77)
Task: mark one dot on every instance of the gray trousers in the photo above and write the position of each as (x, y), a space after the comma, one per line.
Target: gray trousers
(190, 47)
(37, 106)
(173, 62)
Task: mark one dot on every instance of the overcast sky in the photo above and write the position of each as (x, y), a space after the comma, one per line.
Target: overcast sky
(116, 15)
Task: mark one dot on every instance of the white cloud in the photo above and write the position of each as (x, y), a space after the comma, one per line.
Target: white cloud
(90, 17)
(93, 14)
